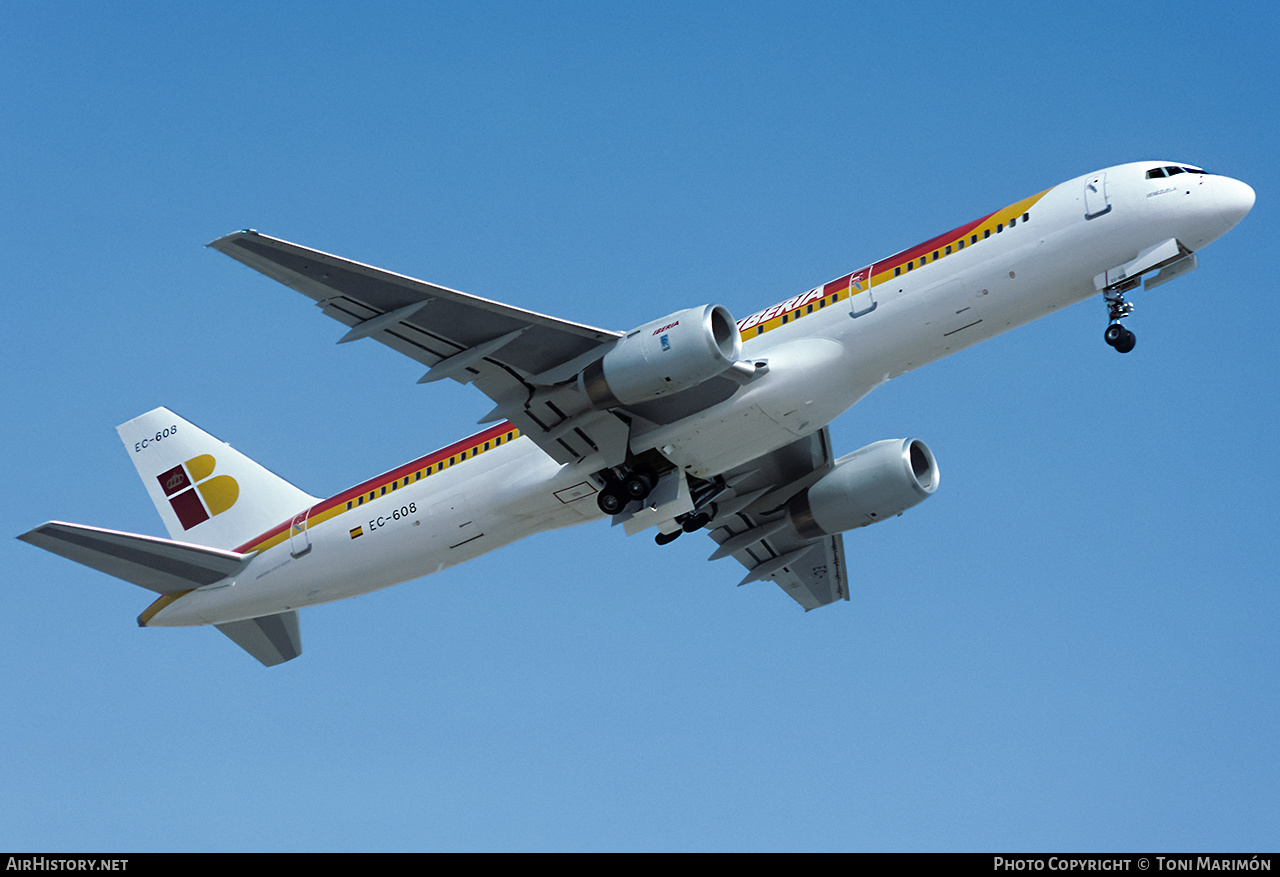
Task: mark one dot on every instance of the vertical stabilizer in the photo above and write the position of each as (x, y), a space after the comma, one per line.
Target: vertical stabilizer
(206, 491)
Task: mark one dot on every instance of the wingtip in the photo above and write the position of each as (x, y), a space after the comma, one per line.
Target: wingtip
(227, 238)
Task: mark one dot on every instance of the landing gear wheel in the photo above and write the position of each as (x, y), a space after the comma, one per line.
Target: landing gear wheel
(639, 484)
(695, 521)
(611, 499)
(1120, 338)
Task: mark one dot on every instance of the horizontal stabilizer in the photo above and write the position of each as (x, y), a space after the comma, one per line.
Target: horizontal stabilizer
(272, 639)
(160, 565)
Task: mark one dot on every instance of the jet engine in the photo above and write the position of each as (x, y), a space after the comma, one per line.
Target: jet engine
(663, 357)
(879, 481)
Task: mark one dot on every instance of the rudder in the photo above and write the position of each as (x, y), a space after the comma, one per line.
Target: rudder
(206, 491)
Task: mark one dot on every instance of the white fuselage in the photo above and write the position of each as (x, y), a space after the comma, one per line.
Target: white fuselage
(820, 361)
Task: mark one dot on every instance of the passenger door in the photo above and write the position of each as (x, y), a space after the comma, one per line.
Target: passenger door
(299, 541)
(1095, 197)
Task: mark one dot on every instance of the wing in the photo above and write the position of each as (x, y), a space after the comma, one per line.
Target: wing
(513, 356)
(751, 524)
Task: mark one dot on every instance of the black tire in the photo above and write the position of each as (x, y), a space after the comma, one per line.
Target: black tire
(638, 484)
(610, 500)
(695, 521)
(1114, 334)
(1126, 342)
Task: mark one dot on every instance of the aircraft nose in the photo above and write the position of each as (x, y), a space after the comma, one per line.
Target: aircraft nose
(1235, 199)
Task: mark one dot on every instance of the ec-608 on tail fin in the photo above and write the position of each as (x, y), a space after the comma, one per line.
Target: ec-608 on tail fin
(206, 491)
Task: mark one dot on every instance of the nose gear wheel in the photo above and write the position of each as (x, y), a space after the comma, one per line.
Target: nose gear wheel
(1120, 338)
(1116, 335)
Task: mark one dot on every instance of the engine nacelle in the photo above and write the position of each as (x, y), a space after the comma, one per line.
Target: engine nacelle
(663, 357)
(879, 481)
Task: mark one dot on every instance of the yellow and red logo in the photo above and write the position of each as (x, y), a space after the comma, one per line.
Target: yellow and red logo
(195, 493)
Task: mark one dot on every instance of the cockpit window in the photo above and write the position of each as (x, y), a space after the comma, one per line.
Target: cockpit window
(1157, 172)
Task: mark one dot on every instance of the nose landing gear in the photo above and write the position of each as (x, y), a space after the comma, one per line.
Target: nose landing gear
(1116, 335)
(1120, 338)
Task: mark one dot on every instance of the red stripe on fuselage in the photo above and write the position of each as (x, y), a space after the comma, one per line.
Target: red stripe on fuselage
(385, 478)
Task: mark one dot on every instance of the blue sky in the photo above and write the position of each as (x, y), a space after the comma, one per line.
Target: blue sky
(1071, 646)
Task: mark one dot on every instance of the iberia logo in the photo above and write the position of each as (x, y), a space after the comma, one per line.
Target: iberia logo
(188, 484)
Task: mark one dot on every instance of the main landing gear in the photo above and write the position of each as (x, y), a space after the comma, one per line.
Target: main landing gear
(637, 483)
(689, 523)
(1116, 335)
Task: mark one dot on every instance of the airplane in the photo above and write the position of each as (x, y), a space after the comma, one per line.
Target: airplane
(693, 421)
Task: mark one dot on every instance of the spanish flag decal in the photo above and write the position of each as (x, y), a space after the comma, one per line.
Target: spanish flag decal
(357, 532)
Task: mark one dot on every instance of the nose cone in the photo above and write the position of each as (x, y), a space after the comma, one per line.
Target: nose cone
(1234, 198)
